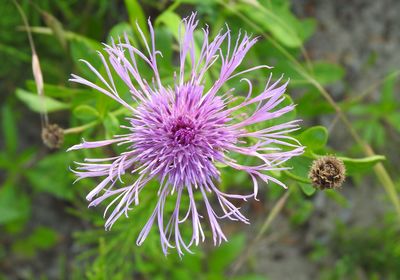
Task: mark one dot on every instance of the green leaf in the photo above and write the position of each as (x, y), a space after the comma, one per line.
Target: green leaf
(86, 112)
(171, 20)
(314, 138)
(362, 109)
(312, 104)
(173, 23)
(373, 133)
(9, 130)
(360, 165)
(90, 44)
(327, 73)
(299, 171)
(85, 48)
(394, 120)
(136, 14)
(119, 30)
(307, 189)
(40, 104)
(275, 20)
(56, 27)
(387, 97)
(14, 204)
(57, 90)
(165, 45)
(111, 124)
(307, 28)
(16, 53)
(323, 72)
(224, 255)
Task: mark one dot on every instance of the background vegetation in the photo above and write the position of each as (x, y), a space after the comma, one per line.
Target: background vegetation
(46, 230)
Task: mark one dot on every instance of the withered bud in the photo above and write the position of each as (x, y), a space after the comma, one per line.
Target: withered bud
(53, 136)
(327, 172)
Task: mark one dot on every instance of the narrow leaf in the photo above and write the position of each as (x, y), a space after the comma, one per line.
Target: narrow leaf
(85, 112)
(171, 20)
(35, 102)
(362, 164)
(136, 14)
(56, 27)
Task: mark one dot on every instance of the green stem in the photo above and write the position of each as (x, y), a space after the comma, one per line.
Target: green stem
(296, 178)
(81, 128)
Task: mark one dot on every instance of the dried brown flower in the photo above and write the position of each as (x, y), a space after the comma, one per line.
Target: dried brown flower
(327, 172)
(53, 136)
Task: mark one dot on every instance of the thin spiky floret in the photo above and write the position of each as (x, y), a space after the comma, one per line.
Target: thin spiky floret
(176, 135)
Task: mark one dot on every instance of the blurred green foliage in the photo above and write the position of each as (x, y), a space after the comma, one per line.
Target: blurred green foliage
(66, 31)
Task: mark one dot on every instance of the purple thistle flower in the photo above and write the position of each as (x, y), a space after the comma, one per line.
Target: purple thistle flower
(177, 134)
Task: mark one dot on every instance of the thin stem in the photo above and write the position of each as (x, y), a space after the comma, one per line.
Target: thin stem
(333, 123)
(81, 128)
(26, 26)
(296, 178)
(270, 218)
(37, 71)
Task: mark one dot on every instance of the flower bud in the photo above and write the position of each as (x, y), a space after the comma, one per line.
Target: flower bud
(327, 172)
(53, 136)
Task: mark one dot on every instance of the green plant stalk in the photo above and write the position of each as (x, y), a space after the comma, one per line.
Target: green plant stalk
(47, 31)
(78, 129)
(296, 178)
(36, 70)
(380, 171)
(81, 128)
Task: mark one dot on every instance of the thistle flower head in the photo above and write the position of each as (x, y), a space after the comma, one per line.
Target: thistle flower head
(178, 133)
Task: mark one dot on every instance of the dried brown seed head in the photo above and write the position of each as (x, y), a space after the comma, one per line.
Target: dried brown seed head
(327, 172)
(53, 136)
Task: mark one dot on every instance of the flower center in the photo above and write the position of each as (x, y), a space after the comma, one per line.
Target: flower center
(183, 130)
